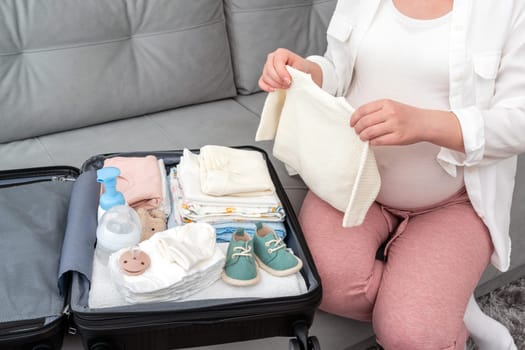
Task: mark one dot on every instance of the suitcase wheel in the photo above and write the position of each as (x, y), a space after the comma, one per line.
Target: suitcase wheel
(313, 343)
(42, 347)
(100, 346)
(294, 345)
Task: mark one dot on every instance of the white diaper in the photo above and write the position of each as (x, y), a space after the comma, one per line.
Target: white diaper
(184, 260)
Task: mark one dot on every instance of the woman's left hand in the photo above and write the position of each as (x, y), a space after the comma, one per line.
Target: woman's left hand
(387, 122)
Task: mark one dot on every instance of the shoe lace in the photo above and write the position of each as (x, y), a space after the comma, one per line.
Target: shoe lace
(277, 243)
(243, 251)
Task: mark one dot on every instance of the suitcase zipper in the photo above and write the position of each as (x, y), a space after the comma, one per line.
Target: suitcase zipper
(63, 178)
(28, 176)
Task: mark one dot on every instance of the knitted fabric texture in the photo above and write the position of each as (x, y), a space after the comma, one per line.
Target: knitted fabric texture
(312, 135)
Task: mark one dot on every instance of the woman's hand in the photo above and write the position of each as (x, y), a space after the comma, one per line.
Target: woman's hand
(387, 122)
(275, 76)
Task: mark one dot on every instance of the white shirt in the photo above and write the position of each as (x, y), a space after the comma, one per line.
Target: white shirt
(486, 93)
(406, 60)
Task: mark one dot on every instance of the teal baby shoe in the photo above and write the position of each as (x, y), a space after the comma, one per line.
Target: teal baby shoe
(271, 253)
(240, 268)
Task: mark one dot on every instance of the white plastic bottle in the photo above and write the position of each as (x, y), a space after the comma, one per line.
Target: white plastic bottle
(118, 228)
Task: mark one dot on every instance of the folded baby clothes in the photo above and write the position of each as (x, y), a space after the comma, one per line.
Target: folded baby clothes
(188, 173)
(185, 210)
(225, 230)
(177, 268)
(235, 172)
(313, 137)
(139, 181)
(191, 204)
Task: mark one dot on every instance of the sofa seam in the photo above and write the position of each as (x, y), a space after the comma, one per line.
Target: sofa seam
(46, 150)
(105, 42)
(256, 115)
(158, 125)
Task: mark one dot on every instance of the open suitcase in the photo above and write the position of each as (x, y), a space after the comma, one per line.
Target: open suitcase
(48, 224)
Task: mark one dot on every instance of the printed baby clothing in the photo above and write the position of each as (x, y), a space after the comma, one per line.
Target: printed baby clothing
(185, 210)
(234, 172)
(139, 181)
(225, 230)
(313, 136)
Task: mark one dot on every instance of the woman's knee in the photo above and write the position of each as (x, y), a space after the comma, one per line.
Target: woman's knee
(419, 338)
(411, 332)
(349, 293)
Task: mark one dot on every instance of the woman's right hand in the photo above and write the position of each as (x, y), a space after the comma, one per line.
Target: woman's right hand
(274, 74)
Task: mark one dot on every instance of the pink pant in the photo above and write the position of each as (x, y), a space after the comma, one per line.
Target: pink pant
(417, 299)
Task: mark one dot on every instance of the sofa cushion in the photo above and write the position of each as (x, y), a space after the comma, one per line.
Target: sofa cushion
(65, 64)
(254, 102)
(298, 25)
(223, 122)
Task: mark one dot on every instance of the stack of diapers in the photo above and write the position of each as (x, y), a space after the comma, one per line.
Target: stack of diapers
(184, 260)
(313, 136)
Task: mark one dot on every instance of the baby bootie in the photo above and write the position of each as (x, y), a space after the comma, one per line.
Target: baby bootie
(240, 268)
(271, 253)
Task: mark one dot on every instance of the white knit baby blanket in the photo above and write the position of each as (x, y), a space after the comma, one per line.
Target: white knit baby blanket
(313, 136)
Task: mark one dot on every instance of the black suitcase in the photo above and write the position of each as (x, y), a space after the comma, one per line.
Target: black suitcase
(48, 216)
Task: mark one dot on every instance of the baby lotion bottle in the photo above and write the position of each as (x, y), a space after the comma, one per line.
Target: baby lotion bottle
(111, 197)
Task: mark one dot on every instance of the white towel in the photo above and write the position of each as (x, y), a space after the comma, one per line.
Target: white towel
(313, 136)
(236, 172)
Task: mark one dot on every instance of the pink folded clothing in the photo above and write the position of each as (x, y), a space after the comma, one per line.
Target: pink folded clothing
(139, 180)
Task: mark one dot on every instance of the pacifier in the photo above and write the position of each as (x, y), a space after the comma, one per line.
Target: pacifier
(134, 261)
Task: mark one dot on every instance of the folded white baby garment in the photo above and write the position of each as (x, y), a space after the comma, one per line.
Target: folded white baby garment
(313, 136)
(187, 244)
(235, 172)
(188, 173)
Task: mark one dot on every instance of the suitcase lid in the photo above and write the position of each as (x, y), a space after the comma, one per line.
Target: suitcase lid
(32, 307)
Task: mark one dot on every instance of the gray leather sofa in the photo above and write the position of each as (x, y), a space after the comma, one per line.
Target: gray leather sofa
(83, 77)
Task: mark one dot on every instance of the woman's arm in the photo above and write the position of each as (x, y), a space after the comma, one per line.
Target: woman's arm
(387, 122)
